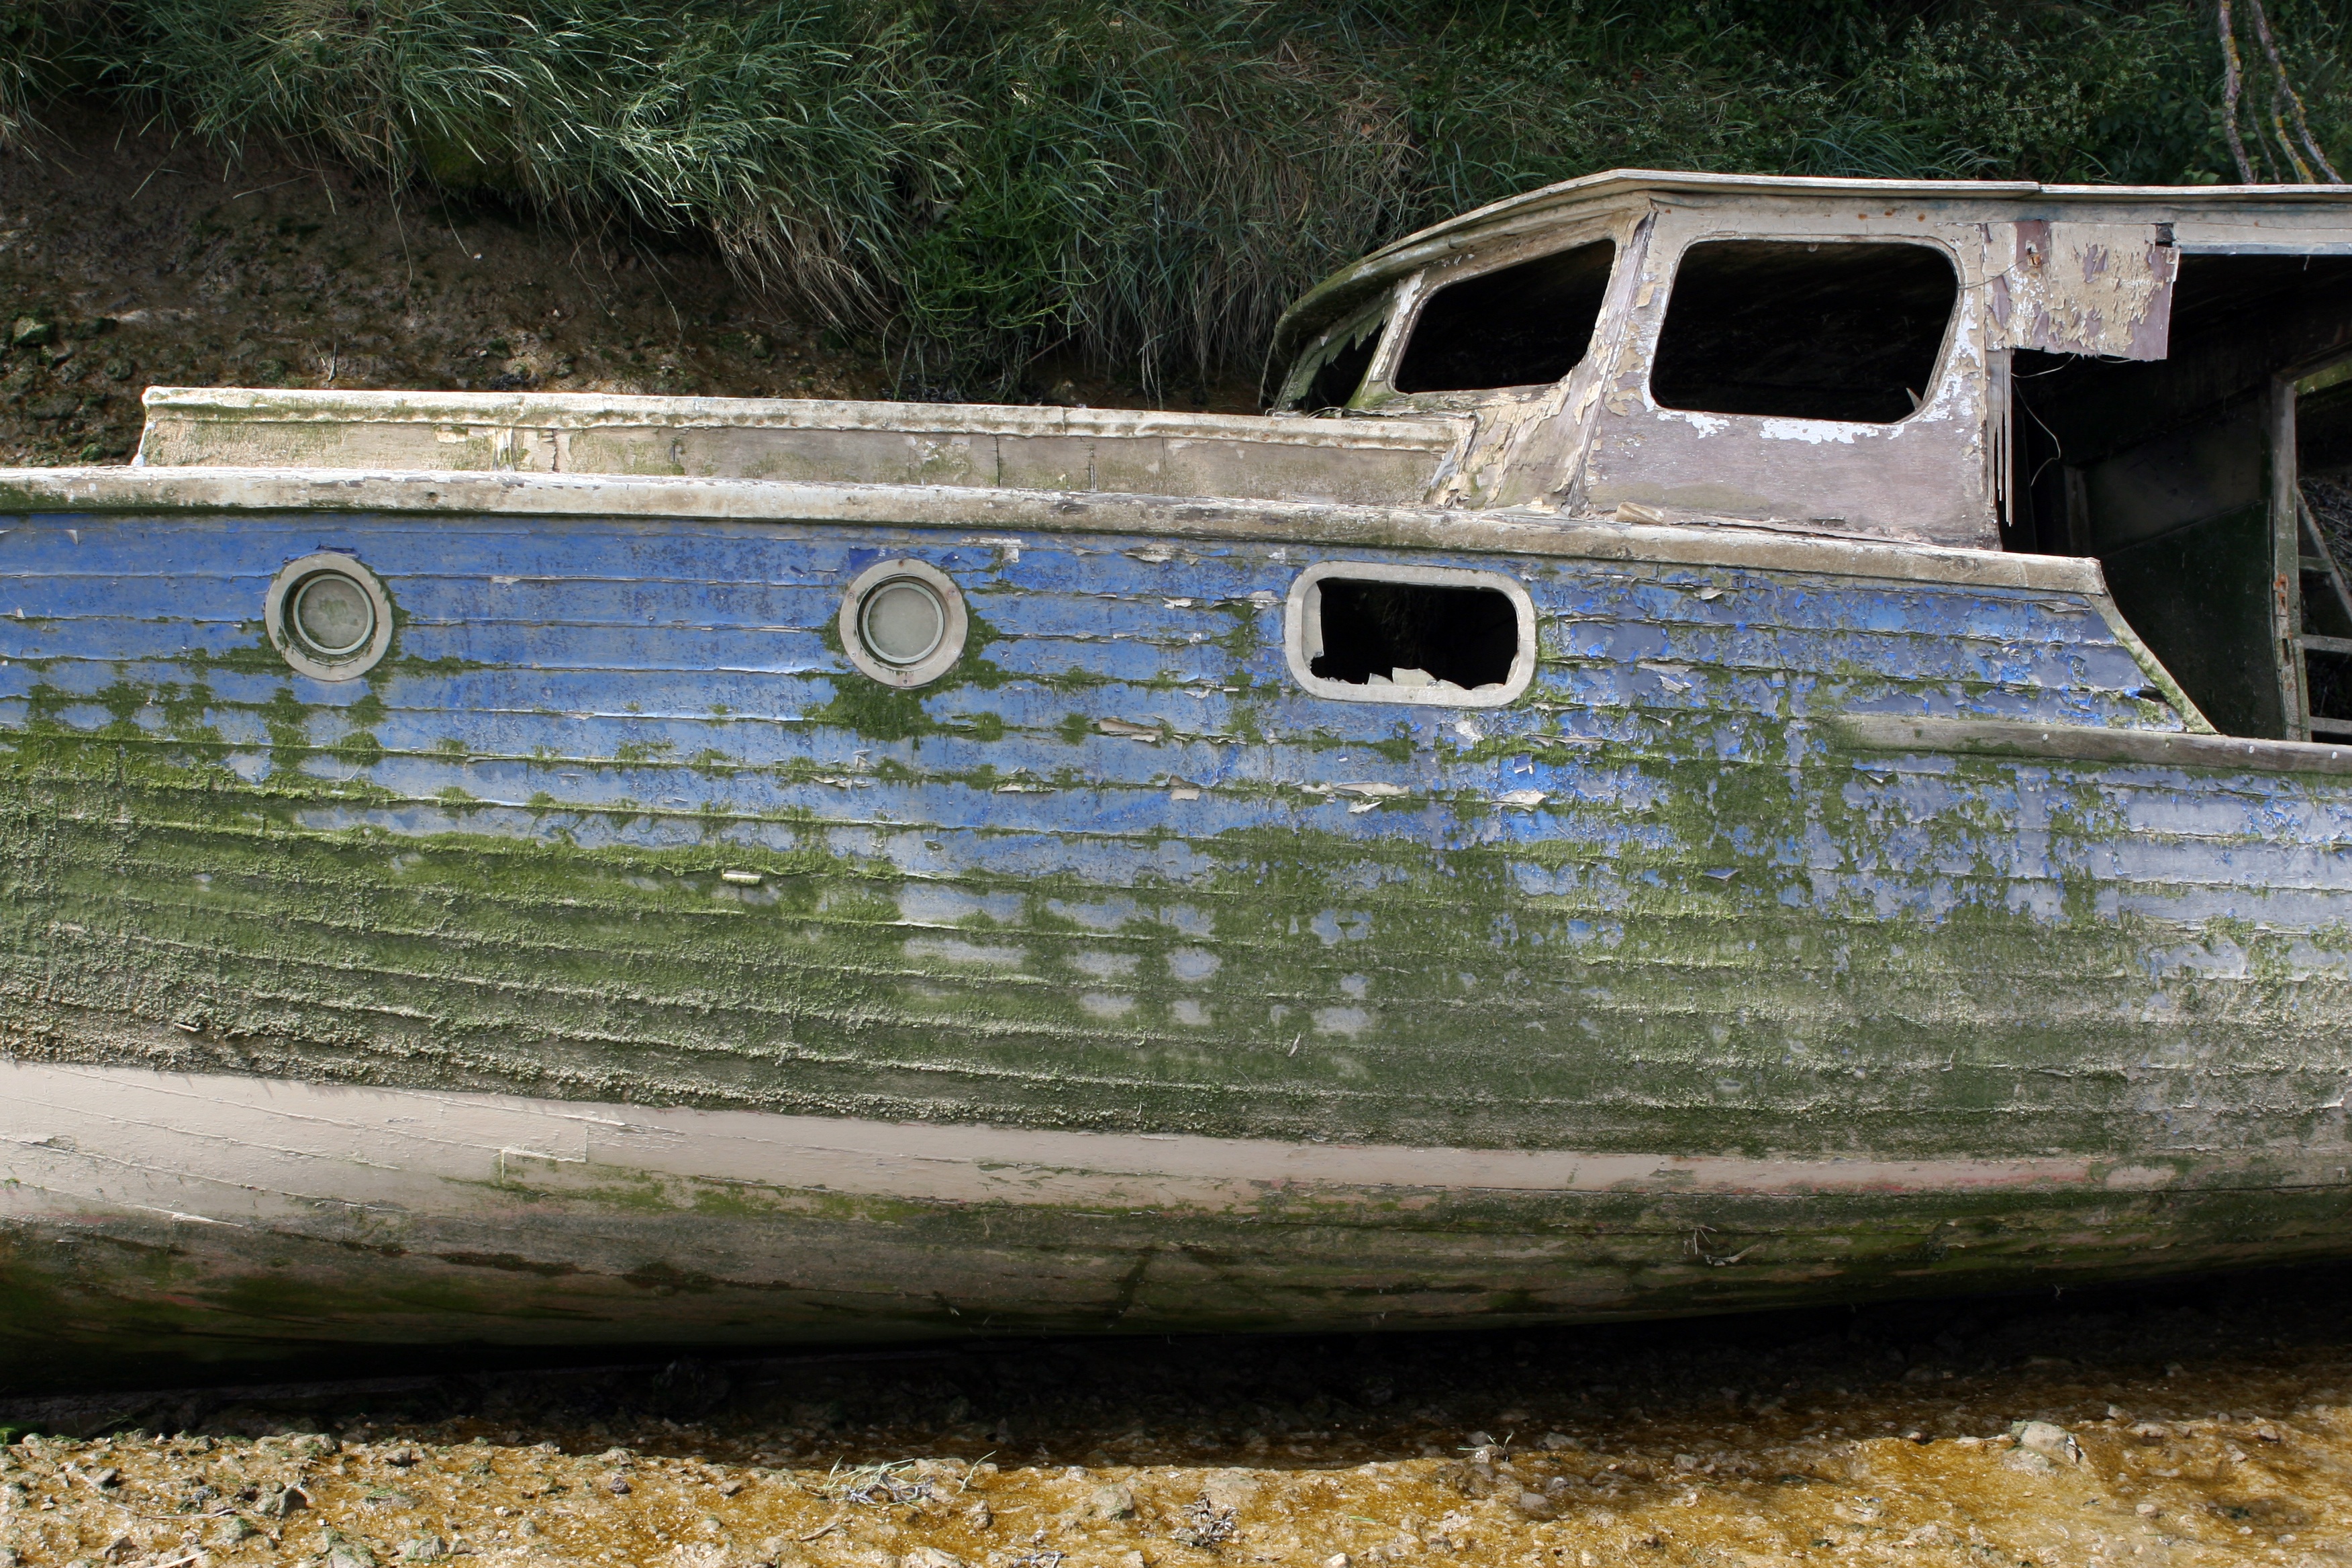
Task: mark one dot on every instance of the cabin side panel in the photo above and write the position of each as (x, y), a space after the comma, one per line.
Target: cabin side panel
(1355, 462)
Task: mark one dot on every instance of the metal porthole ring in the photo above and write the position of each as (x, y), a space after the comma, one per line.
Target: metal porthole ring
(319, 626)
(903, 622)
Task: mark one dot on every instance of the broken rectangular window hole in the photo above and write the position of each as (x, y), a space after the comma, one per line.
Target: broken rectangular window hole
(1527, 324)
(1852, 331)
(1335, 368)
(1369, 632)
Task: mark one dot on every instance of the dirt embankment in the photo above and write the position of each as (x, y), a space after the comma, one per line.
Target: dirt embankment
(128, 259)
(2205, 1425)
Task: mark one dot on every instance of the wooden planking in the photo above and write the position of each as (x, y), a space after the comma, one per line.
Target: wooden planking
(1701, 860)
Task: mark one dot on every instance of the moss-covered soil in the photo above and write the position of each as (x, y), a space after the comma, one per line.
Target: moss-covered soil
(2190, 1425)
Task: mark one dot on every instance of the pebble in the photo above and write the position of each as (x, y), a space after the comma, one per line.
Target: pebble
(2048, 1438)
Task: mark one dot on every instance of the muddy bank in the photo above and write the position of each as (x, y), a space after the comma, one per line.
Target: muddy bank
(2206, 1422)
(132, 258)
(127, 260)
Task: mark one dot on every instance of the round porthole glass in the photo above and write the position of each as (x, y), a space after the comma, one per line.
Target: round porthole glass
(332, 613)
(903, 622)
(328, 618)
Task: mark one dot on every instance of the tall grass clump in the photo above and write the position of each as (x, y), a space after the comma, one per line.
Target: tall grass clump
(972, 185)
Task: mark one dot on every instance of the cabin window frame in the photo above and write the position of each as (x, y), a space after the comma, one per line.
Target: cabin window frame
(1304, 599)
(1938, 381)
(1379, 313)
(1413, 294)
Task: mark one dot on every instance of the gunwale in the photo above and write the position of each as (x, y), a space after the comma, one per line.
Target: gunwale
(1525, 531)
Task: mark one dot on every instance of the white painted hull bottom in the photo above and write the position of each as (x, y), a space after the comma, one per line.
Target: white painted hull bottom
(151, 1215)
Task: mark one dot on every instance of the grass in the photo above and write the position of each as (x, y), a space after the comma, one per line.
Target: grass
(970, 186)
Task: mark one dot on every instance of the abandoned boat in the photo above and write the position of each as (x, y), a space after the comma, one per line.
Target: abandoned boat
(1725, 743)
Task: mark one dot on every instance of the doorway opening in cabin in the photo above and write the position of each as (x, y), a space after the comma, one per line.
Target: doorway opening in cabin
(2214, 486)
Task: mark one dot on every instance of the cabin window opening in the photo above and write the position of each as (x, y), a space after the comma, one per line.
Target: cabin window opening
(1364, 632)
(1527, 324)
(2202, 497)
(1336, 369)
(1792, 330)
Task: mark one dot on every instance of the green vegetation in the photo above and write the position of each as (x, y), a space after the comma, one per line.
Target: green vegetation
(972, 186)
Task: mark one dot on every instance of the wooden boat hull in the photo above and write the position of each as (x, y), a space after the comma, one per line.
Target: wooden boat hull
(614, 964)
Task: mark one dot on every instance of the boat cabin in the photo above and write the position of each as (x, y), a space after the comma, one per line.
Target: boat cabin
(2158, 378)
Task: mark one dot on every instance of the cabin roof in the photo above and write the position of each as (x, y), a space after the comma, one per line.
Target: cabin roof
(1569, 200)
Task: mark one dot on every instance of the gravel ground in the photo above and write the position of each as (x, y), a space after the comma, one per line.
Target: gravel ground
(2209, 1423)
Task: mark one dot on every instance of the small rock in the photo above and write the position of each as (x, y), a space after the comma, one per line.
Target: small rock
(929, 1557)
(423, 1548)
(980, 1516)
(276, 1501)
(31, 330)
(1230, 1489)
(1535, 1505)
(1116, 1501)
(1338, 1560)
(2147, 1511)
(2047, 1437)
(2151, 1431)
(109, 1477)
(1560, 1440)
(617, 1485)
(2267, 1434)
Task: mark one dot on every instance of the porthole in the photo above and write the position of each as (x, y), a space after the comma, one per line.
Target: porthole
(328, 618)
(903, 622)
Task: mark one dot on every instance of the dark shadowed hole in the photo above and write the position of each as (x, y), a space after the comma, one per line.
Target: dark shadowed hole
(1336, 380)
(1517, 326)
(1804, 331)
(1467, 636)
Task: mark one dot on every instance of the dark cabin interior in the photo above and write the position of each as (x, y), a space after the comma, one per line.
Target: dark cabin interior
(2193, 478)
